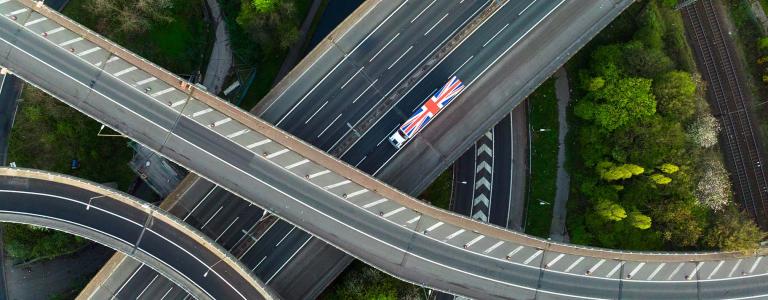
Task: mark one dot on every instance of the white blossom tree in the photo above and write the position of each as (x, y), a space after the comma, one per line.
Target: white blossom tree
(713, 188)
(704, 130)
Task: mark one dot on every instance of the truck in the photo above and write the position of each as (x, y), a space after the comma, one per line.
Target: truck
(428, 111)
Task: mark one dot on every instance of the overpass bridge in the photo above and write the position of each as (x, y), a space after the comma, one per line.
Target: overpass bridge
(330, 199)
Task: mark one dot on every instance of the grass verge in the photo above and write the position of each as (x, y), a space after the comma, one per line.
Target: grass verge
(542, 115)
(439, 192)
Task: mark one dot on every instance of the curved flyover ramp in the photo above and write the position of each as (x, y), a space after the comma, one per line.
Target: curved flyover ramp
(332, 200)
(126, 224)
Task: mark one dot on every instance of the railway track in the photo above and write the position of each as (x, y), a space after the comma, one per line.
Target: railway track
(730, 106)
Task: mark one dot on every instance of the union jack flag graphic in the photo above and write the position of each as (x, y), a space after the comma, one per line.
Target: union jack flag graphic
(432, 107)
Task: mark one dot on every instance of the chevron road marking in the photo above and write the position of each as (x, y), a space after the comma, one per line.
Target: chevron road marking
(484, 148)
(483, 166)
(480, 199)
(480, 215)
(483, 182)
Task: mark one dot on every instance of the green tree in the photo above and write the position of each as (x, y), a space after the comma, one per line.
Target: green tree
(639, 220)
(660, 179)
(610, 172)
(680, 223)
(762, 43)
(271, 24)
(646, 62)
(265, 6)
(669, 168)
(610, 210)
(595, 84)
(734, 231)
(624, 101)
(675, 94)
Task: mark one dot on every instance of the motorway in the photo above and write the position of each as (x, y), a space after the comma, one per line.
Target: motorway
(128, 225)
(395, 233)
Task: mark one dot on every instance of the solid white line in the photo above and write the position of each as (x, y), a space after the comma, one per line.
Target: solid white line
(526, 8)
(321, 173)
(222, 121)
(423, 10)
(89, 51)
(125, 71)
(394, 211)
(278, 153)
(573, 265)
(656, 271)
(554, 261)
(259, 143)
(259, 264)
(238, 133)
(754, 265)
(353, 77)
(163, 92)
(494, 36)
(166, 293)
(475, 240)
(145, 81)
(366, 90)
(453, 235)
(225, 229)
(126, 282)
(202, 112)
(317, 111)
(489, 250)
(296, 164)
(382, 48)
(55, 30)
(433, 26)
(680, 265)
(616, 268)
(535, 254)
(211, 218)
(328, 187)
(636, 269)
(400, 57)
(329, 125)
(416, 218)
(434, 226)
(734, 268)
(75, 40)
(286, 235)
(147, 287)
(353, 194)
(361, 161)
(198, 203)
(716, 269)
(35, 21)
(286, 261)
(374, 203)
(461, 66)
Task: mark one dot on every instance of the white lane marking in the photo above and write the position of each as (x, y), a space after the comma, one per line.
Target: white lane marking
(165, 91)
(329, 125)
(475, 240)
(636, 269)
(513, 252)
(526, 8)
(4, 1)
(366, 90)
(461, 66)
(616, 268)
(328, 187)
(754, 265)
(494, 36)
(716, 269)
(423, 10)
(286, 235)
(256, 240)
(735, 267)
(180, 102)
(382, 48)
(400, 57)
(680, 265)
(16, 12)
(361, 161)
(55, 30)
(166, 293)
(126, 282)
(394, 211)
(221, 122)
(656, 271)
(147, 287)
(278, 153)
(201, 112)
(597, 265)
(574, 264)
(145, 81)
(350, 78)
(374, 203)
(696, 269)
(317, 111)
(35, 21)
(416, 218)
(434, 226)
(125, 71)
(198, 203)
(259, 263)
(113, 59)
(211, 218)
(287, 260)
(75, 40)
(225, 229)
(296, 164)
(388, 135)
(535, 254)
(453, 235)
(554, 261)
(490, 249)
(238, 133)
(357, 193)
(259, 143)
(89, 51)
(433, 26)
(321, 173)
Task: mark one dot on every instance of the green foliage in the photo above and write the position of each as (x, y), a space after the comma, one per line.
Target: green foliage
(544, 146)
(669, 168)
(439, 192)
(734, 230)
(265, 6)
(639, 220)
(610, 210)
(646, 62)
(610, 172)
(762, 43)
(675, 92)
(273, 25)
(681, 223)
(27, 243)
(660, 179)
(362, 282)
(595, 84)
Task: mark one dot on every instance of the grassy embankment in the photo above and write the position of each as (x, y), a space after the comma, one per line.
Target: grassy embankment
(541, 195)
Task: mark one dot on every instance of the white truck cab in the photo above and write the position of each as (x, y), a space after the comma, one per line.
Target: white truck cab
(397, 139)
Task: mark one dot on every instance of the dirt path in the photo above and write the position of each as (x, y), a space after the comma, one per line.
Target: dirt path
(562, 91)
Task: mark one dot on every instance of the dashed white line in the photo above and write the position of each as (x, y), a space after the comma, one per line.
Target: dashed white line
(335, 185)
(423, 10)
(225, 229)
(653, 274)
(526, 8)
(211, 218)
(736, 266)
(321, 173)
(145, 81)
(616, 268)
(716, 269)
(696, 269)
(366, 90)
(55, 30)
(165, 91)
(680, 265)
(286, 235)
(555, 260)
(433, 26)
(166, 293)
(126, 282)
(754, 265)
(494, 36)
(177, 103)
(416, 218)
(490, 249)
(259, 263)
(382, 48)
(329, 125)
(125, 71)
(434, 226)
(574, 264)
(238, 133)
(357, 193)
(394, 211)
(147, 287)
(453, 235)
(278, 153)
(16, 12)
(259, 143)
(535, 254)
(75, 40)
(374, 203)
(461, 66)
(202, 112)
(296, 164)
(222, 121)
(513, 252)
(361, 161)
(35, 21)
(597, 265)
(350, 78)
(475, 240)
(89, 51)
(400, 57)
(636, 269)
(317, 111)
